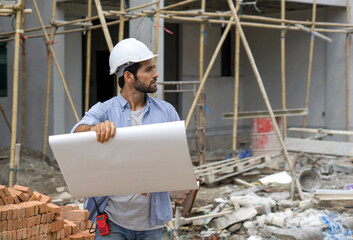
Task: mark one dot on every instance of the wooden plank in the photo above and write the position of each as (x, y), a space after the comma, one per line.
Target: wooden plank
(264, 113)
(319, 147)
(319, 130)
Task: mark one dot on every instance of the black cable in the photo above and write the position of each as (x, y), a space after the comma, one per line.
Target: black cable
(99, 213)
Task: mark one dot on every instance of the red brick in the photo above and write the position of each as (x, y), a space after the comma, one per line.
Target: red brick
(9, 212)
(19, 194)
(2, 203)
(3, 213)
(3, 226)
(67, 228)
(33, 198)
(77, 215)
(23, 189)
(9, 225)
(53, 208)
(14, 234)
(7, 200)
(19, 223)
(45, 198)
(5, 190)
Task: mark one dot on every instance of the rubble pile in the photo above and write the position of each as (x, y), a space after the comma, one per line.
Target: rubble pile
(264, 208)
(31, 215)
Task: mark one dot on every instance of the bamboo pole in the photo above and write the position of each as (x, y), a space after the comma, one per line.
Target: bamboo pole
(283, 66)
(24, 89)
(5, 117)
(104, 25)
(263, 92)
(156, 35)
(236, 89)
(177, 4)
(15, 95)
(50, 61)
(188, 19)
(208, 70)
(88, 58)
(50, 47)
(202, 96)
(310, 63)
(11, 11)
(348, 47)
(249, 17)
(121, 34)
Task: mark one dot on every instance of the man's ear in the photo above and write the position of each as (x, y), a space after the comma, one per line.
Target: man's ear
(128, 76)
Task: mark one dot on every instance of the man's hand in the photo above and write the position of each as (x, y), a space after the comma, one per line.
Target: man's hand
(104, 131)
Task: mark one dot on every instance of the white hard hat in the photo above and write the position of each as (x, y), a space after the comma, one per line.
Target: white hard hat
(126, 53)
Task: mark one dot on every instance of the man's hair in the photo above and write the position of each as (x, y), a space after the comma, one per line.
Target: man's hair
(133, 70)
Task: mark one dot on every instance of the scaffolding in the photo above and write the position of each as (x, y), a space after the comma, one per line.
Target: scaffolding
(231, 17)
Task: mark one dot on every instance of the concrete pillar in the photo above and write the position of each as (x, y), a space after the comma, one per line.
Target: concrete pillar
(144, 31)
(335, 113)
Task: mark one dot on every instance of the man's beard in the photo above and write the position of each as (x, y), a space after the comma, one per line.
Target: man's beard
(140, 86)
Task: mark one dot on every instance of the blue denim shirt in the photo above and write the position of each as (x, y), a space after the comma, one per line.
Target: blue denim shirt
(117, 110)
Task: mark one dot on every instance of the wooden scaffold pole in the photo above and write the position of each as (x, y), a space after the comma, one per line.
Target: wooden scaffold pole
(47, 100)
(50, 48)
(24, 90)
(310, 63)
(283, 65)
(121, 33)
(348, 48)
(264, 94)
(15, 93)
(200, 127)
(236, 88)
(88, 57)
(2, 110)
(156, 35)
(104, 25)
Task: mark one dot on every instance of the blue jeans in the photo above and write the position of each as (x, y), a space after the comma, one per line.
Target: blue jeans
(120, 233)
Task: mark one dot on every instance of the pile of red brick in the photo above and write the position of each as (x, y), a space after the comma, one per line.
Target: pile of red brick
(30, 215)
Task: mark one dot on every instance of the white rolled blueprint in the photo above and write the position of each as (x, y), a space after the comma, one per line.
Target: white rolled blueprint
(139, 159)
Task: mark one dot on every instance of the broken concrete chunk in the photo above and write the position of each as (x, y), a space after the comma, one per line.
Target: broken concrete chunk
(305, 204)
(282, 178)
(276, 220)
(235, 227)
(239, 215)
(296, 234)
(287, 203)
(280, 195)
(263, 204)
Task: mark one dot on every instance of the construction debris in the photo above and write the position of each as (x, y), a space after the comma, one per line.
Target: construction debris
(262, 208)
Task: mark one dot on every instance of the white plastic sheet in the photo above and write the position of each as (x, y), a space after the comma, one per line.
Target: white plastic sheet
(139, 159)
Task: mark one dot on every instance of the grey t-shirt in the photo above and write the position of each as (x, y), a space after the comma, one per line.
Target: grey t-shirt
(131, 211)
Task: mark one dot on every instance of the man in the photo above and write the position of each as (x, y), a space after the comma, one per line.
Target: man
(137, 216)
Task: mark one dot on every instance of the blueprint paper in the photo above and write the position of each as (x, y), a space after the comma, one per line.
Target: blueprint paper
(139, 159)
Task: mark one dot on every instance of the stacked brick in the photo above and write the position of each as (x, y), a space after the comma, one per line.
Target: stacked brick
(30, 215)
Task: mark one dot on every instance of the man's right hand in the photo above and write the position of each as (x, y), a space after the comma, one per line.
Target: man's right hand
(104, 131)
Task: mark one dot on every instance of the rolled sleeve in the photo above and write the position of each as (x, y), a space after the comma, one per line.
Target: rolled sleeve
(95, 115)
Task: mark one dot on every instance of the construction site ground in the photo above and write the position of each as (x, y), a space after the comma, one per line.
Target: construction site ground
(264, 211)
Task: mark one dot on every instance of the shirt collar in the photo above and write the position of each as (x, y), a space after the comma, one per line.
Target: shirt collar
(125, 104)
